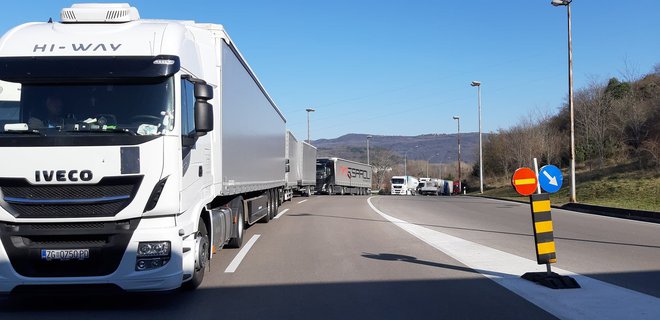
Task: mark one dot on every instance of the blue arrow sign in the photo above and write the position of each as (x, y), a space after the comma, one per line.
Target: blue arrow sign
(550, 178)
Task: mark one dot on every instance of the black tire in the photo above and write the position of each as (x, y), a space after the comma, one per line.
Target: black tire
(273, 204)
(236, 206)
(204, 250)
(277, 201)
(331, 190)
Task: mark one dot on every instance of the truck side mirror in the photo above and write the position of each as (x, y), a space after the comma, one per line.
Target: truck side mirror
(203, 109)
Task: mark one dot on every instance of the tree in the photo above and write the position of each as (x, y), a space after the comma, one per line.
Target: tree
(383, 161)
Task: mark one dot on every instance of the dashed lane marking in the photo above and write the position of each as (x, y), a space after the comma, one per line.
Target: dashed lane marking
(241, 254)
(281, 213)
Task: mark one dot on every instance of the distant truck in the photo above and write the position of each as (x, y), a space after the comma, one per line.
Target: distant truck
(10, 100)
(300, 176)
(404, 185)
(341, 176)
(430, 186)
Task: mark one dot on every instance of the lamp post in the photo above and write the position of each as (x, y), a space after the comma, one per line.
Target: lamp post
(481, 158)
(458, 121)
(368, 138)
(308, 111)
(405, 163)
(567, 3)
(427, 164)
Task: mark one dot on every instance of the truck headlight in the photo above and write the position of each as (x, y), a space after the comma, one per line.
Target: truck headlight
(153, 254)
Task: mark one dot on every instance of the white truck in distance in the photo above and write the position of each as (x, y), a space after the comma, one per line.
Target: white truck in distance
(404, 185)
(139, 148)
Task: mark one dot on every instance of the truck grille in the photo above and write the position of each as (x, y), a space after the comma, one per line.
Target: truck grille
(106, 242)
(105, 199)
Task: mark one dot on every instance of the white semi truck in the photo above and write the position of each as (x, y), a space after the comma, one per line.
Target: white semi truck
(404, 185)
(136, 150)
(341, 176)
(300, 168)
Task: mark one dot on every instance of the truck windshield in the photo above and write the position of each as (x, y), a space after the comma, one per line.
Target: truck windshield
(397, 181)
(140, 108)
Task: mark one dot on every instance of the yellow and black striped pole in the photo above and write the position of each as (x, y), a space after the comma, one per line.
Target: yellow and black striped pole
(543, 231)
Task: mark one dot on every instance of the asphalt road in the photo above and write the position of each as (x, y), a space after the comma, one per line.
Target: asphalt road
(347, 257)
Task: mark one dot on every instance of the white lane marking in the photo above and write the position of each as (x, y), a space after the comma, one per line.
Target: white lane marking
(281, 213)
(302, 201)
(595, 300)
(241, 254)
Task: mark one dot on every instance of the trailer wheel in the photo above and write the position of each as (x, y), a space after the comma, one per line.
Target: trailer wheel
(236, 206)
(277, 200)
(201, 260)
(273, 204)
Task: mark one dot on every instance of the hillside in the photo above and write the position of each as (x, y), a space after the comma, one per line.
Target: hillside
(354, 146)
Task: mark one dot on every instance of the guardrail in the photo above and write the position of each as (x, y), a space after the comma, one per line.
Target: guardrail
(649, 216)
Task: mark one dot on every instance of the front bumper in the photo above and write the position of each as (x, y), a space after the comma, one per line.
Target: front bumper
(124, 275)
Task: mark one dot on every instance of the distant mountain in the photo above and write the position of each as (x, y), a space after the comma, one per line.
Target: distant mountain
(353, 146)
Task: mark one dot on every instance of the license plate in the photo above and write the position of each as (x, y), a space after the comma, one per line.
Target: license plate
(64, 254)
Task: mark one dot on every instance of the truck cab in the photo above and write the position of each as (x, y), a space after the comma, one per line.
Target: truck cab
(404, 185)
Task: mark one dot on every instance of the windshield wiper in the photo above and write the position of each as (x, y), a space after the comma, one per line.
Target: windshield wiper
(28, 132)
(106, 130)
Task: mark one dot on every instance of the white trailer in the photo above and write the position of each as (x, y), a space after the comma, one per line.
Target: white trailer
(404, 185)
(341, 176)
(163, 147)
(300, 174)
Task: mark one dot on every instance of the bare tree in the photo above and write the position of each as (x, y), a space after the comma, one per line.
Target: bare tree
(383, 161)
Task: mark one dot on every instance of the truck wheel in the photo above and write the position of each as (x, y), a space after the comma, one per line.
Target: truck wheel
(273, 205)
(236, 206)
(331, 190)
(276, 192)
(202, 250)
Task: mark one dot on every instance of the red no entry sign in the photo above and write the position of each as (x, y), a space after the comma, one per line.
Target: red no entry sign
(524, 181)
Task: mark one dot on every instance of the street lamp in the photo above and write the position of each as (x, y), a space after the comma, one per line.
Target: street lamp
(567, 3)
(481, 158)
(368, 138)
(405, 163)
(308, 111)
(427, 164)
(458, 121)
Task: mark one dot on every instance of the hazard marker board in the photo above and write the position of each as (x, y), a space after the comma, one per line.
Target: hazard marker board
(524, 181)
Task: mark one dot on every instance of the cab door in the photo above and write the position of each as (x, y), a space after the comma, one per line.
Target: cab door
(195, 150)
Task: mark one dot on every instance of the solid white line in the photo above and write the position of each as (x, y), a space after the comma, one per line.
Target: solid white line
(281, 213)
(241, 254)
(595, 300)
(302, 201)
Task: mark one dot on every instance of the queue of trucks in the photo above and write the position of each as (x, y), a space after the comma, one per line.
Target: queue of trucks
(137, 149)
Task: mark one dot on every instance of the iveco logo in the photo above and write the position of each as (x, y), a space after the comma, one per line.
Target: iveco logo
(63, 175)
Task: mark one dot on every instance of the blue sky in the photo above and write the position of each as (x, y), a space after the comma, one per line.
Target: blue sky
(404, 67)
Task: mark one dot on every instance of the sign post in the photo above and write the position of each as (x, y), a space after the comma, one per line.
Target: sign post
(526, 182)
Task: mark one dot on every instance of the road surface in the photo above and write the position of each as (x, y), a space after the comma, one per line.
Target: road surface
(389, 257)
